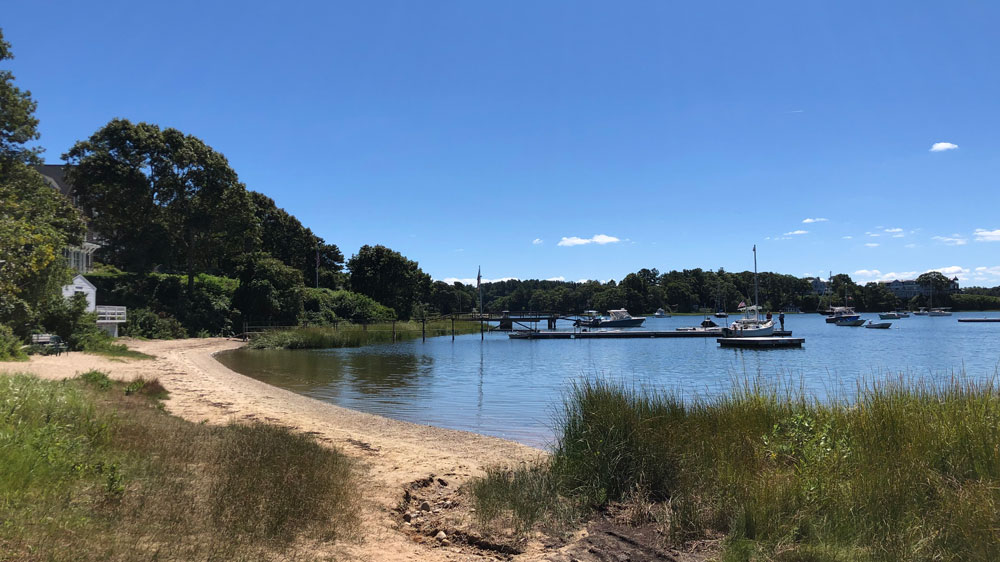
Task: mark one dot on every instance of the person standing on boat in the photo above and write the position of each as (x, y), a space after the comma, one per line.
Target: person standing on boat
(781, 318)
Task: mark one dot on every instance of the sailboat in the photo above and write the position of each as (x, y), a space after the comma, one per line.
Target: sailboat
(751, 326)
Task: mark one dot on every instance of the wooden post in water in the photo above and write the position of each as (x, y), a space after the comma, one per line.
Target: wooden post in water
(423, 329)
(393, 331)
(481, 336)
(452, 327)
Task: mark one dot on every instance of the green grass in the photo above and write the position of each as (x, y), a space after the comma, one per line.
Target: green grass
(903, 470)
(355, 335)
(93, 469)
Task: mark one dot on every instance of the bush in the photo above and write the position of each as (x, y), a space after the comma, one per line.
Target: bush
(325, 306)
(10, 345)
(144, 323)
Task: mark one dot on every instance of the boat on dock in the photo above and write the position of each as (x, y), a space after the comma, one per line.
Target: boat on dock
(751, 326)
(619, 318)
(707, 325)
(878, 325)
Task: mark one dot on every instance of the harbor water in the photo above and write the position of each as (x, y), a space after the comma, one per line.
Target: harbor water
(514, 388)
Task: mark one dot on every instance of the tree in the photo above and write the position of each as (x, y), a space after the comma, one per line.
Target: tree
(879, 297)
(935, 280)
(389, 278)
(269, 290)
(160, 196)
(36, 221)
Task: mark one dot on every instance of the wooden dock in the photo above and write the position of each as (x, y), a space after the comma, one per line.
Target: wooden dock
(611, 334)
(761, 343)
(979, 319)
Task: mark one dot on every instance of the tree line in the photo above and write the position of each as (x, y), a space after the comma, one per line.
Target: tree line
(197, 251)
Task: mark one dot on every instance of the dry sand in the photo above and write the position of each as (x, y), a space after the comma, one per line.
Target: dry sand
(393, 454)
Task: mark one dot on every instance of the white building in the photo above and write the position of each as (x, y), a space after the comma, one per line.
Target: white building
(80, 285)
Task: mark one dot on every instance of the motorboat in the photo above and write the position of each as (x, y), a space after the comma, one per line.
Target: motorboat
(878, 325)
(660, 313)
(707, 326)
(842, 313)
(922, 312)
(751, 326)
(939, 312)
(619, 318)
(851, 322)
(889, 316)
(721, 314)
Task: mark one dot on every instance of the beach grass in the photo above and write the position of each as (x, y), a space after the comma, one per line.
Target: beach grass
(94, 469)
(357, 335)
(902, 470)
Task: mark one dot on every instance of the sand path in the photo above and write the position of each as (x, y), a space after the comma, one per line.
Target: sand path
(393, 454)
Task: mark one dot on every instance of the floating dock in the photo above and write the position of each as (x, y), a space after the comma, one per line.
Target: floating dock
(611, 334)
(782, 333)
(979, 319)
(761, 343)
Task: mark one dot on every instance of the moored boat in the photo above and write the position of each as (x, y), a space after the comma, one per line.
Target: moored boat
(660, 313)
(842, 313)
(851, 322)
(619, 318)
(751, 326)
(878, 325)
(889, 315)
(939, 312)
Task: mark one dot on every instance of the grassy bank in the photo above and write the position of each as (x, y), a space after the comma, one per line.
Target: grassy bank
(92, 469)
(356, 335)
(902, 471)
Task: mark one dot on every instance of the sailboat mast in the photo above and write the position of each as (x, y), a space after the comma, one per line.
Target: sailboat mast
(756, 297)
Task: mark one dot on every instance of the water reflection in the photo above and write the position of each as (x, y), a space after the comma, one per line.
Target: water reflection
(513, 388)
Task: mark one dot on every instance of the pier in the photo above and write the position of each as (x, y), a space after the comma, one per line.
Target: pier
(761, 343)
(611, 334)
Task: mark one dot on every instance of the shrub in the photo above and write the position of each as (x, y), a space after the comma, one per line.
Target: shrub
(10, 345)
(144, 323)
(324, 306)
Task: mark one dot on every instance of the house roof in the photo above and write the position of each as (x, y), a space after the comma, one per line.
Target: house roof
(54, 174)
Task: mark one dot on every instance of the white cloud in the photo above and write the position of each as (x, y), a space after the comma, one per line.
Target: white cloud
(953, 240)
(817, 219)
(537, 241)
(847, 237)
(898, 235)
(560, 278)
(866, 273)
(943, 146)
(873, 234)
(796, 233)
(983, 235)
(871, 244)
(952, 271)
(911, 245)
(597, 239)
(891, 230)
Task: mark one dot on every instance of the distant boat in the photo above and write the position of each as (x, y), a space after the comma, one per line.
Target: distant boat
(939, 312)
(890, 315)
(851, 322)
(878, 325)
(619, 318)
(722, 314)
(921, 312)
(660, 313)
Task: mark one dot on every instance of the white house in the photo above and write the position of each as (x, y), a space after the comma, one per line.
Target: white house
(82, 286)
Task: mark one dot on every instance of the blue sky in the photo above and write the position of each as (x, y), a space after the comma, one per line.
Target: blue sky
(567, 140)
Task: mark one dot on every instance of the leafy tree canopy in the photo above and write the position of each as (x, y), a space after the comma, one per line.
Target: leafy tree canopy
(389, 278)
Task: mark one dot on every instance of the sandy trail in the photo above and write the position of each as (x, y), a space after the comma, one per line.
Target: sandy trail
(393, 453)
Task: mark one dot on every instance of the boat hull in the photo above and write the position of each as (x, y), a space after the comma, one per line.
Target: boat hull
(764, 330)
(850, 323)
(878, 325)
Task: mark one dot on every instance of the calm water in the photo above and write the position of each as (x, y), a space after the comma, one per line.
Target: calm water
(512, 388)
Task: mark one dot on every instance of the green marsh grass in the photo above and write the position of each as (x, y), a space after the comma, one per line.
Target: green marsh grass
(903, 470)
(356, 335)
(93, 469)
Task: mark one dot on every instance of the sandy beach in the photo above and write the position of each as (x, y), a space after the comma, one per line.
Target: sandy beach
(394, 455)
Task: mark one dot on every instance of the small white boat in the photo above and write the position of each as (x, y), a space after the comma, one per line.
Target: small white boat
(751, 326)
(921, 312)
(939, 312)
(850, 322)
(619, 318)
(707, 326)
(660, 313)
(889, 315)
(878, 325)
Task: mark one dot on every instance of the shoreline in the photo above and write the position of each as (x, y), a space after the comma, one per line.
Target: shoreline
(392, 454)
